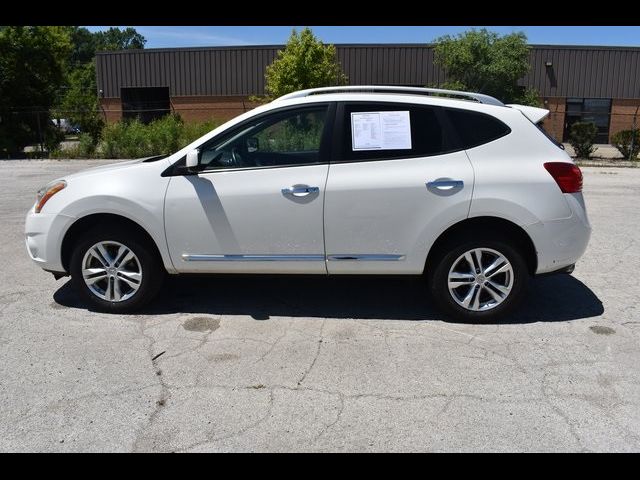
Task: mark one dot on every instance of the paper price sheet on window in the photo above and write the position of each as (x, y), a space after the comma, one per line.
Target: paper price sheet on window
(381, 130)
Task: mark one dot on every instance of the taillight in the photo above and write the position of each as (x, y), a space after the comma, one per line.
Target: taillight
(567, 175)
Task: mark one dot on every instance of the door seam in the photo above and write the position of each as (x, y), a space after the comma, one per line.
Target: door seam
(324, 237)
(473, 182)
(164, 224)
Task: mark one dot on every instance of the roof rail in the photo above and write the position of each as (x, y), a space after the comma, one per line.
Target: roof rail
(478, 97)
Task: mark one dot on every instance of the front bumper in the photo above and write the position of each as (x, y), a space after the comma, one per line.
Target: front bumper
(43, 239)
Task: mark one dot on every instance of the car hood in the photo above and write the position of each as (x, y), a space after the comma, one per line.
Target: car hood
(109, 167)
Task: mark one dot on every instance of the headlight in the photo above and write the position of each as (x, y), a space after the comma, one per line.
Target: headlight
(46, 192)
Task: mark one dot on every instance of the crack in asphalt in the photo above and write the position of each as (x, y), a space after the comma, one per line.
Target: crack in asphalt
(213, 439)
(548, 394)
(328, 426)
(165, 391)
(315, 358)
(273, 345)
(62, 402)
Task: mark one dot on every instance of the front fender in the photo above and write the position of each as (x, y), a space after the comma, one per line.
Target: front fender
(148, 215)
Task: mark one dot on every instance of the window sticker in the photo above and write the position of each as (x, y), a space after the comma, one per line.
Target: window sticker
(381, 130)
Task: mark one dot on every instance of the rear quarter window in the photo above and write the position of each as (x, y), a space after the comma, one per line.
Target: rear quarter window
(475, 128)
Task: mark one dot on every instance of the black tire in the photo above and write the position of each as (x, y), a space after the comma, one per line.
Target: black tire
(438, 275)
(152, 269)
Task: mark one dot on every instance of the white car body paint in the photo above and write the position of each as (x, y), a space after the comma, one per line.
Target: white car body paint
(134, 190)
(535, 114)
(385, 207)
(245, 213)
(379, 213)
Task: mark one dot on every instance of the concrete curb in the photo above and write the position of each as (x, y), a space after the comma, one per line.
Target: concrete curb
(604, 162)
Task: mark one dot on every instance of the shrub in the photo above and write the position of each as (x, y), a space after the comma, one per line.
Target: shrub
(581, 138)
(86, 145)
(125, 139)
(628, 143)
(52, 138)
(133, 139)
(85, 148)
(193, 131)
(164, 135)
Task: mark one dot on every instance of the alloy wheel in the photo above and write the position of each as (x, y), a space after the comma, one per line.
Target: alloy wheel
(480, 279)
(111, 271)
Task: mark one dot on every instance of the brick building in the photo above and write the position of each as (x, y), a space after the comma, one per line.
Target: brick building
(589, 83)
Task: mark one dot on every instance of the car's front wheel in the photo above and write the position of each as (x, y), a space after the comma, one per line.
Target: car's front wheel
(116, 270)
(479, 281)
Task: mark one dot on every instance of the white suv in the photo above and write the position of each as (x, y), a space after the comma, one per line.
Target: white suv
(454, 186)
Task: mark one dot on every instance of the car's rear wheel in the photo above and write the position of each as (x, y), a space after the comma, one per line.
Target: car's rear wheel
(479, 280)
(116, 270)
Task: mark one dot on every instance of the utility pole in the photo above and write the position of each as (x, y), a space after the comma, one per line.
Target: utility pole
(40, 133)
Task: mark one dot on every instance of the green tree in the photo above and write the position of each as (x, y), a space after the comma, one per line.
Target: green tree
(86, 43)
(305, 62)
(84, 46)
(116, 39)
(32, 70)
(79, 102)
(485, 62)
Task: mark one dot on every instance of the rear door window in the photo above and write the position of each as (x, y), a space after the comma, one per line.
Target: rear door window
(387, 131)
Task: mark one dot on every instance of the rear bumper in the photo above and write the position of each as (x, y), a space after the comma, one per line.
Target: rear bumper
(560, 243)
(43, 239)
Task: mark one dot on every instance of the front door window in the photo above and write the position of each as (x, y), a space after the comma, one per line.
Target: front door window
(284, 139)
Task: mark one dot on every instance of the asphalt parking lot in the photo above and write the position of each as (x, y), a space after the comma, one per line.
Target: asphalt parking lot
(324, 364)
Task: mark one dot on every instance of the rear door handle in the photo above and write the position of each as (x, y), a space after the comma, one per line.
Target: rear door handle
(300, 190)
(445, 184)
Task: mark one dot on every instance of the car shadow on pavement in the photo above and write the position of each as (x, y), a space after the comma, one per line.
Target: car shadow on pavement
(550, 299)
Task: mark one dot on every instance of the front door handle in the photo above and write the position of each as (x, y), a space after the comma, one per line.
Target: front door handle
(445, 184)
(300, 190)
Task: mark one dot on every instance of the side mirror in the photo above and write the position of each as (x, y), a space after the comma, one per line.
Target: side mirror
(192, 159)
(252, 144)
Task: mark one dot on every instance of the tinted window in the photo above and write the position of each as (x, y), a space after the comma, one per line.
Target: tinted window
(549, 137)
(287, 138)
(427, 134)
(476, 128)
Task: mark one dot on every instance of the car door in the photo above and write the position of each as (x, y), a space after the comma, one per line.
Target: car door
(257, 206)
(397, 180)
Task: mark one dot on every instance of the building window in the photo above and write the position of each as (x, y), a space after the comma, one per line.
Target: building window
(594, 110)
(145, 103)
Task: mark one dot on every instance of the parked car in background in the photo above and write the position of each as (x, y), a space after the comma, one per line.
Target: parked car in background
(454, 186)
(64, 125)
